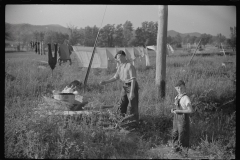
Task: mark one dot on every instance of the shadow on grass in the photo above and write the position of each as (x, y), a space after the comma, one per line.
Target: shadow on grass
(155, 129)
(15, 51)
(94, 87)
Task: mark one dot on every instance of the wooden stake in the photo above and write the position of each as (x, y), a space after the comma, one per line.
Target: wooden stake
(223, 50)
(194, 52)
(161, 51)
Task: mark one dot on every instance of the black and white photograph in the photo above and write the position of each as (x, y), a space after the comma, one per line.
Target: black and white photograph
(104, 81)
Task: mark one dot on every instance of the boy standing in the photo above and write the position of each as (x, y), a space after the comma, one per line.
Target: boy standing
(180, 135)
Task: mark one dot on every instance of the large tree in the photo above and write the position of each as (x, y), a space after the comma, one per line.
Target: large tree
(36, 35)
(118, 36)
(26, 38)
(232, 40)
(149, 32)
(220, 39)
(205, 38)
(41, 35)
(127, 33)
(75, 34)
(145, 35)
(169, 40)
(90, 35)
(192, 39)
(186, 39)
(106, 36)
(139, 39)
(8, 33)
(81, 36)
(177, 40)
(55, 37)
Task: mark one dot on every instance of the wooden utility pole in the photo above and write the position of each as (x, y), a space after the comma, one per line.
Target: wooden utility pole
(161, 51)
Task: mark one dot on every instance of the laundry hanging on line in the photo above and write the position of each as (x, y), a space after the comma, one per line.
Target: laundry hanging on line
(104, 57)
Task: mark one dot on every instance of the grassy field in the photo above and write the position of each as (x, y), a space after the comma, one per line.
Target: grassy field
(209, 84)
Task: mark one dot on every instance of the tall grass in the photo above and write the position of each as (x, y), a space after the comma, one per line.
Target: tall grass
(30, 136)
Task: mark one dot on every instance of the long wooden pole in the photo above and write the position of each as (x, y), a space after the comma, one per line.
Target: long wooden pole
(161, 51)
(194, 52)
(90, 63)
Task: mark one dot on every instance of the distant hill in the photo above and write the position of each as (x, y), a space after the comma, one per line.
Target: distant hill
(192, 34)
(173, 33)
(28, 28)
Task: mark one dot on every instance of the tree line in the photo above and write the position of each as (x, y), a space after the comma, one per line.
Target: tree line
(121, 35)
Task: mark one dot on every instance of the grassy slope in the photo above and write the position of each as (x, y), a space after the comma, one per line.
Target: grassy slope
(209, 85)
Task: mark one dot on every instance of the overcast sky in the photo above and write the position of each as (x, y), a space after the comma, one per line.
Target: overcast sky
(181, 18)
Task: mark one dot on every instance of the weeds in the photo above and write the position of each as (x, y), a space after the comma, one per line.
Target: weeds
(30, 136)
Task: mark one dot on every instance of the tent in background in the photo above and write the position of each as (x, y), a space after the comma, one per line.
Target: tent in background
(152, 47)
(111, 52)
(146, 56)
(102, 54)
(169, 48)
(104, 57)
